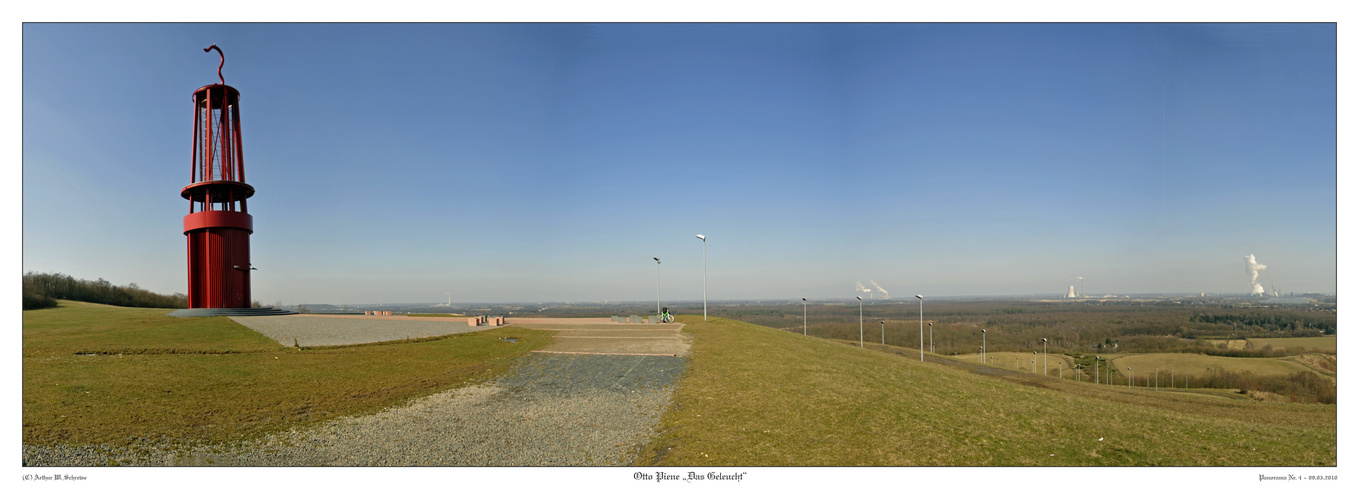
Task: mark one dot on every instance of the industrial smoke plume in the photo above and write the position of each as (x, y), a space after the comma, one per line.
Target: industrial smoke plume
(1253, 270)
(885, 295)
(860, 288)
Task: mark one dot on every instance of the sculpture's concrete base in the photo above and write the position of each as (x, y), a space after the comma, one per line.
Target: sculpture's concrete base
(204, 312)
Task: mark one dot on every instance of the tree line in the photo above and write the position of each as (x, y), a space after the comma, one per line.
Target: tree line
(42, 290)
(1299, 387)
(1295, 324)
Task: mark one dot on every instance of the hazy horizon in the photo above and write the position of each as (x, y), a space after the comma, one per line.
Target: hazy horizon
(551, 162)
(813, 300)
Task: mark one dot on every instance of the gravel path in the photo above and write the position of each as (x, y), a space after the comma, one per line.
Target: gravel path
(312, 330)
(550, 410)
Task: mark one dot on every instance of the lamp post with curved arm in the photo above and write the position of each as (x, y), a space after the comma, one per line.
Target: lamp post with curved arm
(983, 341)
(861, 321)
(804, 316)
(1045, 357)
(705, 276)
(922, 327)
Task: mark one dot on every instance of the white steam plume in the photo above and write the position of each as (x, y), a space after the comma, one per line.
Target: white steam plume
(885, 295)
(1253, 270)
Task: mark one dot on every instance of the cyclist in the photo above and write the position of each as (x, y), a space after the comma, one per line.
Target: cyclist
(665, 315)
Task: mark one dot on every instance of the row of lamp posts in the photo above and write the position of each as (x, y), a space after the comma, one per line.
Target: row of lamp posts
(883, 324)
(883, 332)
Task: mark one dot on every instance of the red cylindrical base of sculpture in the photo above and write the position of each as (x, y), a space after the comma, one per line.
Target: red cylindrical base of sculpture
(219, 267)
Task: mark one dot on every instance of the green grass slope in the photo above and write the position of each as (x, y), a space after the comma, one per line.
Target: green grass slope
(98, 374)
(757, 396)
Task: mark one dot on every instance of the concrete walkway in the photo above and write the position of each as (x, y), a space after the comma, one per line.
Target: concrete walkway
(605, 337)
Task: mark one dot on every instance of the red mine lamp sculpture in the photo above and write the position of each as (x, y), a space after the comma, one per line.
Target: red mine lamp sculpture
(218, 226)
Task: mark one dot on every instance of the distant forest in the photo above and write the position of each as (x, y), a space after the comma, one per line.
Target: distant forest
(42, 290)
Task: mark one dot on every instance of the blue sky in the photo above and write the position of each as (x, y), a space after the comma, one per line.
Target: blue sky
(547, 162)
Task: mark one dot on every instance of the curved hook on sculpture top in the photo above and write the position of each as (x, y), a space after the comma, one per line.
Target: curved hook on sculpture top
(219, 65)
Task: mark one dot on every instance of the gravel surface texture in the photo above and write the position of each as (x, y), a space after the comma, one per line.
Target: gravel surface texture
(550, 410)
(311, 330)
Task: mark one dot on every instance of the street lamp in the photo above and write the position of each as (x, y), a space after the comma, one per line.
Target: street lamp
(931, 337)
(804, 316)
(1045, 358)
(1078, 372)
(658, 284)
(1096, 369)
(1035, 361)
(1016, 362)
(1130, 377)
(979, 354)
(883, 324)
(861, 321)
(705, 276)
(1060, 365)
(922, 327)
(983, 341)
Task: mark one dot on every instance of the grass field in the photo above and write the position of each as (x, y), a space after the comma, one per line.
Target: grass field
(1005, 359)
(758, 396)
(1327, 342)
(83, 328)
(111, 375)
(751, 396)
(1198, 364)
